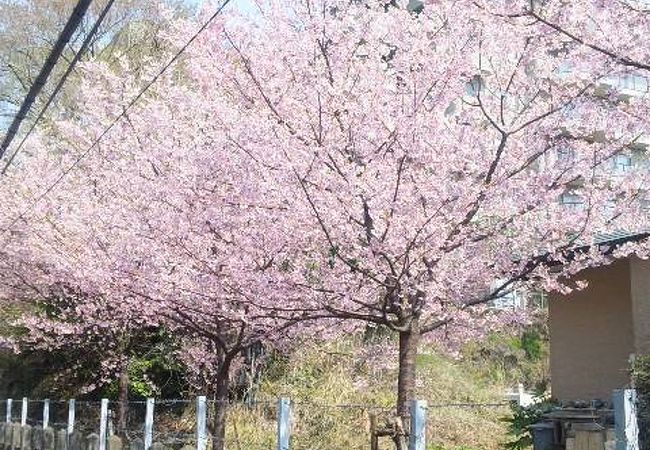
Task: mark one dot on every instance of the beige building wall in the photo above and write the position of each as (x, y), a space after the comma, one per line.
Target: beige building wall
(592, 334)
(640, 282)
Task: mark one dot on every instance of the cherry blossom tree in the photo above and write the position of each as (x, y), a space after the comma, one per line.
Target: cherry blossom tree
(435, 152)
(188, 237)
(334, 162)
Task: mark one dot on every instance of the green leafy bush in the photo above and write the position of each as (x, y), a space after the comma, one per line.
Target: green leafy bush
(519, 424)
(512, 358)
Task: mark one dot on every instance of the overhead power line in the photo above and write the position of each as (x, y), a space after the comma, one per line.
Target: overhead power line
(62, 81)
(78, 14)
(97, 140)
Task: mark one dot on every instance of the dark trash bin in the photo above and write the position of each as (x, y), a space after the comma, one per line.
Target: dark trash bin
(543, 436)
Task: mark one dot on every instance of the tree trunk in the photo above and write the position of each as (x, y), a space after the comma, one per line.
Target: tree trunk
(408, 350)
(123, 401)
(221, 407)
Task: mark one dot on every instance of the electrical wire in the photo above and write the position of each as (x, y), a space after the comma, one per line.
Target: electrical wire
(97, 140)
(62, 81)
(71, 26)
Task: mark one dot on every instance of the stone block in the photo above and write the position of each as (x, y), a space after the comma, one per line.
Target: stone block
(49, 437)
(37, 438)
(16, 435)
(61, 440)
(136, 444)
(76, 441)
(114, 443)
(26, 440)
(8, 436)
(92, 442)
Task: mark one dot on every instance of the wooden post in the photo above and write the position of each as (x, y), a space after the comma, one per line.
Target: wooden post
(71, 415)
(46, 413)
(284, 417)
(417, 436)
(625, 423)
(374, 438)
(148, 424)
(201, 416)
(23, 412)
(10, 403)
(103, 423)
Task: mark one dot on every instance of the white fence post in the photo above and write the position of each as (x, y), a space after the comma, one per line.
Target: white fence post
(148, 424)
(625, 423)
(201, 415)
(520, 394)
(10, 403)
(71, 415)
(23, 412)
(46, 413)
(103, 421)
(417, 436)
(284, 419)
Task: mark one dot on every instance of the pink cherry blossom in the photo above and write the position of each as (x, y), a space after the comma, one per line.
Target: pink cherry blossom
(323, 165)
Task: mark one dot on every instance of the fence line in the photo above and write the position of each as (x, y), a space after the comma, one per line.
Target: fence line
(468, 405)
(42, 435)
(88, 425)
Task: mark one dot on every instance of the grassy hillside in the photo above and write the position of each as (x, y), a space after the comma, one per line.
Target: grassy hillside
(355, 374)
(335, 387)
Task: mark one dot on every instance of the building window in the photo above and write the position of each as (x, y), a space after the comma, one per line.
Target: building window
(565, 157)
(519, 299)
(632, 82)
(621, 164)
(644, 201)
(474, 86)
(536, 300)
(571, 200)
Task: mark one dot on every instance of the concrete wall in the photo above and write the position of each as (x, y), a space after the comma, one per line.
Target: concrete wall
(14, 436)
(592, 334)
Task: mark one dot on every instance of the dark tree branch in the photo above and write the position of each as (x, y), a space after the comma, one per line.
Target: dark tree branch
(623, 60)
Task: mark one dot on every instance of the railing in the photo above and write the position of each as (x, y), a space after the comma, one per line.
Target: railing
(68, 425)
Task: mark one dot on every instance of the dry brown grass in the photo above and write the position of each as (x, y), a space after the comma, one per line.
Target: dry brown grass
(335, 386)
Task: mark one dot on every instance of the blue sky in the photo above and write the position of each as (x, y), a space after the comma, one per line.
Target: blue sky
(244, 5)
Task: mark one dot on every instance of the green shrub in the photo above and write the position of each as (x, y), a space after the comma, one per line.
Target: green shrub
(519, 424)
(512, 358)
(531, 344)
